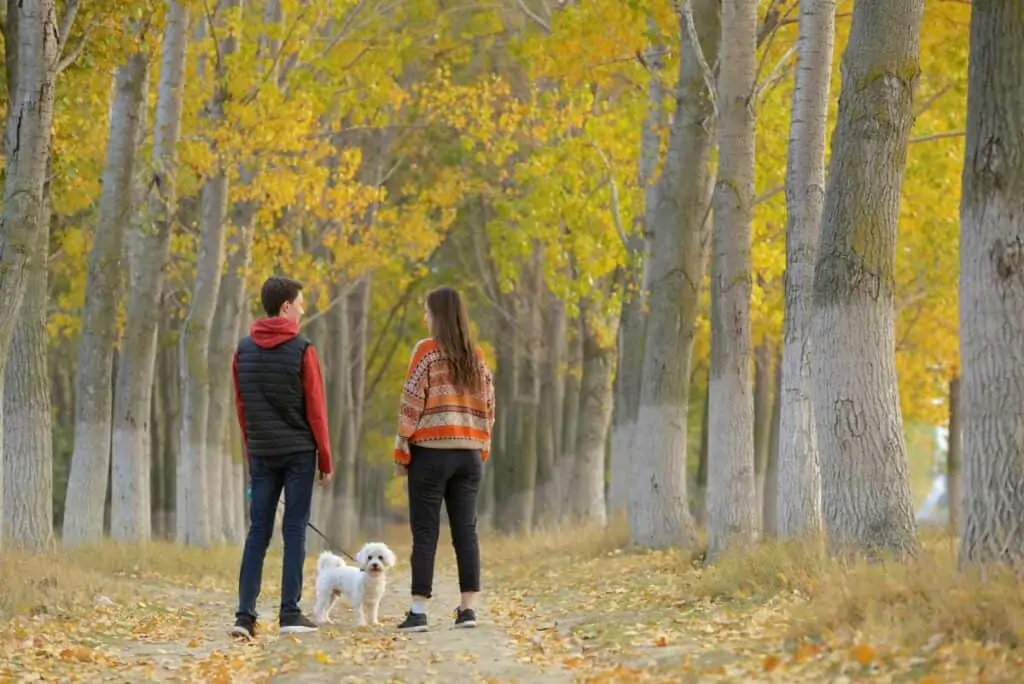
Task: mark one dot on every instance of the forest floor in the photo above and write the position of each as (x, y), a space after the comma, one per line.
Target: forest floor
(574, 605)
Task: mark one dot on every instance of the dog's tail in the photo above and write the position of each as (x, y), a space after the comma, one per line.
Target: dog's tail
(328, 560)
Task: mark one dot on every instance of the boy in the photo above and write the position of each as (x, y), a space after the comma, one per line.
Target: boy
(279, 397)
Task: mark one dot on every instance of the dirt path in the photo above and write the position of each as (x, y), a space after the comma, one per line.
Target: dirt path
(181, 634)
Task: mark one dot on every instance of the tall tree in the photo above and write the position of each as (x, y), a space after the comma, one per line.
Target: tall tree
(798, 495)
(732, 494)
(659, 514)
(31, 51)
(27, 457)
(90, 461)
(992, 287)
(193, 524)
(130, 519)
(865, 488)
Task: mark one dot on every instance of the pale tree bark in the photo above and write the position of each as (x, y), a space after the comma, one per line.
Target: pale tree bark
(130, 518)
(566, 458)
(992, 288)
(954, 459)
(762, 422)
(587, 490)
(659, 514)
(224, 337)
(798, 496)
(552, 391)
(524, 475)
(865, 490)
(770, 513)
(633, 318)
(27, 466)
(732, 497)
(345, 514)
(338, 385)
(31, 53)
(90, 461)
(193, 521)
(701, 495)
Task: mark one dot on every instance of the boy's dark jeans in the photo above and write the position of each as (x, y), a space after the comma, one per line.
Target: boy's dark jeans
(294, 476)
(451, 475)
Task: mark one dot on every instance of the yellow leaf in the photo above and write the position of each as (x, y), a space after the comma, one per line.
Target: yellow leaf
(863, 654)
(322, 658)
(770, 662)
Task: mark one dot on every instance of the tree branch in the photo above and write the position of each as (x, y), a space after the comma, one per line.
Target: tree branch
(66, 22)
(686, 12)
(533, 16)
(937, 136)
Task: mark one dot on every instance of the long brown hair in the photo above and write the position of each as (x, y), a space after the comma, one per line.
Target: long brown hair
(450, 328)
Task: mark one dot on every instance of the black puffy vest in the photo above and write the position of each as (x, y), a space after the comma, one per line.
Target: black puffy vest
(270, 381)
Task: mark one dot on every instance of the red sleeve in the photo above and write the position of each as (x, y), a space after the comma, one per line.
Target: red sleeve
(316, 407)
(239, 407)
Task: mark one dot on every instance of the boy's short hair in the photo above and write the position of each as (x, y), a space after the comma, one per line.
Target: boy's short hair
(276, 291)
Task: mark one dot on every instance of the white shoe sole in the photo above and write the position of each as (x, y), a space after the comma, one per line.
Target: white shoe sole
(297, 629)
(417, 628)
(241, 633)
(468, 624)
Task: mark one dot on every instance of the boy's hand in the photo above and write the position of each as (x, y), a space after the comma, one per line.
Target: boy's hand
(401, 470)
(324, 479)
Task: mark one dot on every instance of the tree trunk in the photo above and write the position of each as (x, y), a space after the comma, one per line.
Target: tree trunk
(992, 288)
(549, 434)
(587, 491)
(763, 412)
(337, 379)
(566, 458)
(954, 459)
(223, 340)
(158, 465)
(193, 522)
(732, 496)
(633, 320)
(798, 502)
(130, 520)
(26, 475)
(528, 395)
(702, 463)
(90, 462)
(659, 513)
(770, 515)
(865, 489)
(506, 426)
(170, 389)
(31, 54)
(346, 493)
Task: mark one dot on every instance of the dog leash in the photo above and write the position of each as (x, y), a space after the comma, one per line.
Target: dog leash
(280, 503)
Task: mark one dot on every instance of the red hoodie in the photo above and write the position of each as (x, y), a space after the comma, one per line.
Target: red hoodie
(275, 331)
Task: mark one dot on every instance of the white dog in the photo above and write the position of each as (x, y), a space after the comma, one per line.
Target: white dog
(363, 586)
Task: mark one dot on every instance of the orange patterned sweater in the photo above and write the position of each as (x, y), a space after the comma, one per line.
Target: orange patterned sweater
(435, 414)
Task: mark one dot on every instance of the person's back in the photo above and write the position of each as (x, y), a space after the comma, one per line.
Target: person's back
(269, 369)
(279, 397)
(437, 413)
(444, 438)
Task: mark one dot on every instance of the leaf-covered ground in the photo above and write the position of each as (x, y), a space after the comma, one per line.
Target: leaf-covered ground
(560, 608)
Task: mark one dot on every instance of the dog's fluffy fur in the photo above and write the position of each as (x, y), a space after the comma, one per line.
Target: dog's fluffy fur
(363, 586)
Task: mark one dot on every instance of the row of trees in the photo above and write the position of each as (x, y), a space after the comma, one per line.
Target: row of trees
(609, 183)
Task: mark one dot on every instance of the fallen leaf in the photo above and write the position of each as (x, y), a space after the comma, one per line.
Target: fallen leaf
(770, 662)
(864, 654)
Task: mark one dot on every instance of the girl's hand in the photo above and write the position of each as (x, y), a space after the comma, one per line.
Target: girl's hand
(401, 470)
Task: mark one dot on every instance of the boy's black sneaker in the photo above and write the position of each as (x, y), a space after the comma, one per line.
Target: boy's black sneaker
(297, 624)
(465, 618)
(413, 622)
(245, 628)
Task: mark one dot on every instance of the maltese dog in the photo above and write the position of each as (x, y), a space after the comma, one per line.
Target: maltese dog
(363, 586)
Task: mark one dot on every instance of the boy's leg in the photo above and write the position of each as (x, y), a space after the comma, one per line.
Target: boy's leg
(299, 471)
(266, 483)
(460, 499)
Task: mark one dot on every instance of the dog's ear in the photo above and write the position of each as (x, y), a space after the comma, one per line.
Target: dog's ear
(361, 557)
(389, 557)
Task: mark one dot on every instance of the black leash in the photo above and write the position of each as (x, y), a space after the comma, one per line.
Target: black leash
(323, 536)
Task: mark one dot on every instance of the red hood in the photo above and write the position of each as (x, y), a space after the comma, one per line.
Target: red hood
(273, 331)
